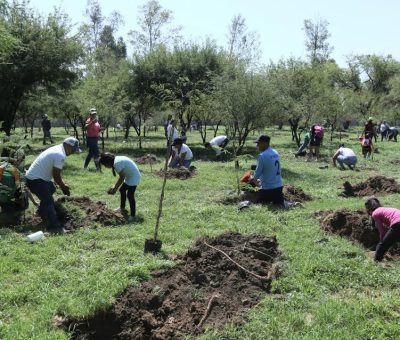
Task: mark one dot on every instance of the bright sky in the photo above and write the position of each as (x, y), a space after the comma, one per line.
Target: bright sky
(356, 26)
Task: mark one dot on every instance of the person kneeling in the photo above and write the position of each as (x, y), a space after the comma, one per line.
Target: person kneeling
(129, 179)
(181, 155)
(345, 156)
(389, 217)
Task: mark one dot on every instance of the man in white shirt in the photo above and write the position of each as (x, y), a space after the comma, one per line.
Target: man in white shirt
(48, 166)
(345, 156)
(181, 155)
(172, 132)
(218, 144)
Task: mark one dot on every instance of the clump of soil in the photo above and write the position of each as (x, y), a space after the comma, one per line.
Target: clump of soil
(295, 194)
(378, 185)
(355, 225)
(204, 290)
(395, 161)
(180, 173)
(290, 193)
(147, 159)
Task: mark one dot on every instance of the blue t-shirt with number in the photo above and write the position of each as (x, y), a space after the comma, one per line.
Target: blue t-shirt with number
(269, 169)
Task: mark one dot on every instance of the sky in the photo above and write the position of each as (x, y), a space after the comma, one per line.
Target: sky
(356, 26)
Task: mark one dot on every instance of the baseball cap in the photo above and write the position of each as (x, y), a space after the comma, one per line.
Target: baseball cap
(177, 141)
(73, 142)
(263, 138)
(93, 110)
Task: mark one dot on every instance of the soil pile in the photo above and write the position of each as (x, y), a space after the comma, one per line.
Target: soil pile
(180, 173)
(355, 225)
(147, 159)
(378, 185)
(78, 212)
(205, 289)
(290, 193)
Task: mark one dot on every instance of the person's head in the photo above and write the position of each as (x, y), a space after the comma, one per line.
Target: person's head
(371, 204)
(107, 159)
(169, 117)
(263, 142)
(368, 135)
(71, 145)
(173, 122)
(207, 145)
(93, 113)
(341, 145)
(177, 143)
(45, 116)
(370, 120)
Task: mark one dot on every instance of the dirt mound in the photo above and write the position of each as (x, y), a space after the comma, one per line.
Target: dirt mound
(295, 194)
(290, 193)
(205, 289)
(180, 173)
(147, 159)
(378, 185)
(395, 162)
(355, 225)
(78, 212)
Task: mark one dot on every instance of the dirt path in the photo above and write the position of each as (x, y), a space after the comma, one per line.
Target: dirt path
(205, 289)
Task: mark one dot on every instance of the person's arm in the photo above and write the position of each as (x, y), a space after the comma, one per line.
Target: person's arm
(259, 169)
(182, 158)
(335, 156)
(57, 178)
(120, 180)
(90, 122)
(173, 153)
(379, 226)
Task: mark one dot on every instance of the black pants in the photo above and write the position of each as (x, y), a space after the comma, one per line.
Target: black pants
(271, 195)
(391, 237)
(127, 190)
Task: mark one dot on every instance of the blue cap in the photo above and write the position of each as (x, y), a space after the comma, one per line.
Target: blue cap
(73, 142)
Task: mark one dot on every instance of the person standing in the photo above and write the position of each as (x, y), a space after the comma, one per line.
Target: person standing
(181, 155)
(46, 126)
(370, 128)
(384, 217)
(172, 132)
(93, 130)
(218, 144)
(345, 156)
(128, 180)
(367, 147)
(268, 171)
(166, 124)
(384, 130)
(45, 167)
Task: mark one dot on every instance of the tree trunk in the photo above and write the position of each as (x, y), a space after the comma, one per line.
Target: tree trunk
(294, 124)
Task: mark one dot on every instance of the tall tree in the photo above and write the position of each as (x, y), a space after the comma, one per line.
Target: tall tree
(44, 56)
(155, 28)
(317, 36)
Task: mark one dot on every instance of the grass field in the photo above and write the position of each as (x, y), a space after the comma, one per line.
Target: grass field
(327, 290)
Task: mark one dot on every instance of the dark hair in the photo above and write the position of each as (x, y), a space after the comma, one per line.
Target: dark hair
(107, 159)
(372, 203)
(207, 144)
(341, 145)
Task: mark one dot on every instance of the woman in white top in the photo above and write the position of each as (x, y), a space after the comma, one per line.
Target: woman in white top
(172, 132)
(345, 156)
(181, 155)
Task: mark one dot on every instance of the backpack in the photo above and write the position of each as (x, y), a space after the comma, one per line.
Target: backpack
(366, 142)
(319, 131)
(10, 182)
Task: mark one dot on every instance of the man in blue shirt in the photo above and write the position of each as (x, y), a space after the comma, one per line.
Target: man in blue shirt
(268, 171)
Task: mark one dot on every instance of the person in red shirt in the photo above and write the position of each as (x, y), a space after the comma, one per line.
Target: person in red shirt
(370, 127)
(93, 130)
(387, 221)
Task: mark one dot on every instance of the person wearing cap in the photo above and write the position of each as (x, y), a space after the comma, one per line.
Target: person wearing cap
(181, 155)
(46, 126)
(172, 132)
(370, 127)
(128, 180)
(345, 156)
(45, 167)
(268, 171)
(218, 144)
(387, 221)
(93, 130)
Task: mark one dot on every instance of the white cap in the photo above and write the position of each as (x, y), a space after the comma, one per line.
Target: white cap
(93, 110)
(73, 142)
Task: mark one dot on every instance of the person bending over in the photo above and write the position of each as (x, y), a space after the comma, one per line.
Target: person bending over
(345, 156)
(181, 155)
(128, 180)
(384, 217)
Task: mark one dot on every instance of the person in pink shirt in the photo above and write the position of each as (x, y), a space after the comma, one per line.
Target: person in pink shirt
(93, 130)
(388, 218)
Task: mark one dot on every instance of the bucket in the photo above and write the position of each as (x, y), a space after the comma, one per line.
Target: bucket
(152, 246)
(35, 236)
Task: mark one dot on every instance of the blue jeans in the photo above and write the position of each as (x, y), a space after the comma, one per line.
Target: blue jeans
(45, 190)
(92, 144)
(349, 161)
(303, 147)
(175, 163)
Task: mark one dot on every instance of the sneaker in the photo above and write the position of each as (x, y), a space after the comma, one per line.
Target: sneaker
(132, 219)
(60, 230)
(120, 210)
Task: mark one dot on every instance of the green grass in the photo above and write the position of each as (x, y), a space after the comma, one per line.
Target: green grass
(327, 290)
